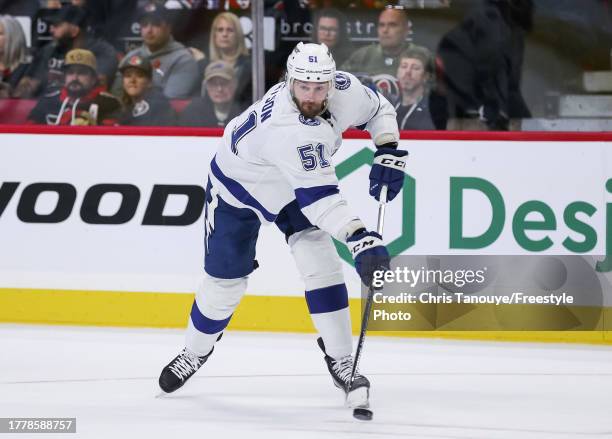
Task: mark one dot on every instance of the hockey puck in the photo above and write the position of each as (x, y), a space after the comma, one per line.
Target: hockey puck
(363, 414)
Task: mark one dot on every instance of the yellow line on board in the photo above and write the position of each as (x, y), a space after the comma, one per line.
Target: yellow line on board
(255, 313)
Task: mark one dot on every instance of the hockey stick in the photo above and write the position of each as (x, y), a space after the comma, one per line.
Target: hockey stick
(368, 306)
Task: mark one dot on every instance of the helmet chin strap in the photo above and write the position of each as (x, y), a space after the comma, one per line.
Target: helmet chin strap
(325, 102)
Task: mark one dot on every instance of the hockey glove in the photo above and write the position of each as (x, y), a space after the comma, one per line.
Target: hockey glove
(369, 253)
(387, 169)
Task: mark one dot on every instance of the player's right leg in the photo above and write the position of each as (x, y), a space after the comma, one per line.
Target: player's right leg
(230, 238)
(327, 299)
(326, 294)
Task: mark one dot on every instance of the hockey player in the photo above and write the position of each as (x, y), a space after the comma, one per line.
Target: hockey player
(274, 165)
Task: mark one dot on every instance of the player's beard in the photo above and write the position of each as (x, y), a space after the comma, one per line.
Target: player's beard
(310, 109)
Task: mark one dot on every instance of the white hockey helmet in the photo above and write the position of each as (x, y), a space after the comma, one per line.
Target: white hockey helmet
(311, 63)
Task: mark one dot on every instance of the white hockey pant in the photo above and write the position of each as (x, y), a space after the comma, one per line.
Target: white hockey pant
(321, 270)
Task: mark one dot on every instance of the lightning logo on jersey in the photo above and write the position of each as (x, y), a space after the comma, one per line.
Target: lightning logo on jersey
(209, 213)
(308, 121)
(342, 81)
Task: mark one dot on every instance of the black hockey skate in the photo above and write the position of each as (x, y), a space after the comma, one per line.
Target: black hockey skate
(340, 371)
(178, 371)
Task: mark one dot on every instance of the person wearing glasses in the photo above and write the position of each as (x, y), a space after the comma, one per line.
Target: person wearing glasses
(329, 28)
(218, 105)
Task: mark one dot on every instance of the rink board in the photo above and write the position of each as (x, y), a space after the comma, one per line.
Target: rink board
(107, 230)
(255, 313)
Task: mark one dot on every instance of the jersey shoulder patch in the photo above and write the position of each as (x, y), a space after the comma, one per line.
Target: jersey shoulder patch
(308, 121)
(342, 81)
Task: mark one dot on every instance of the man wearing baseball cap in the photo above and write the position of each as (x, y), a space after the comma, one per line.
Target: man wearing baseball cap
(81, 101)
(144, 104)
(68, 29)
(175, 70)
(217, 106)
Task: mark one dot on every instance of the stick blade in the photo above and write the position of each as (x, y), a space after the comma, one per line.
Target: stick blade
(363, 414)
(358, 398)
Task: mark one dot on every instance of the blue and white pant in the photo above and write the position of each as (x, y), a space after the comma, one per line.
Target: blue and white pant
(230, 238)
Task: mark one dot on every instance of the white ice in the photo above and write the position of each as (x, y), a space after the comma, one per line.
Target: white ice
(276, 386)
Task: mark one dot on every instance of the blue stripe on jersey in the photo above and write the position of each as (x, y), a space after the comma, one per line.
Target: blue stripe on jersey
(328, 299)
(373, 88)
(204, 324)
(239, 192)
(305, 196)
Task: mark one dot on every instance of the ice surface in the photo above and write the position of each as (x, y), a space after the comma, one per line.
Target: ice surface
(269, 386)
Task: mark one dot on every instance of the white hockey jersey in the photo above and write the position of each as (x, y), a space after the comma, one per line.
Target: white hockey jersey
(271, 154)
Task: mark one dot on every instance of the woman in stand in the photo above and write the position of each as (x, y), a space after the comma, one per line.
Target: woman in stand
(227, 44)
(13, 54)
(144, 104)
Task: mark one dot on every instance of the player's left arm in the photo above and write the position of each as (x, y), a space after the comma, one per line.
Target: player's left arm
(374, 113)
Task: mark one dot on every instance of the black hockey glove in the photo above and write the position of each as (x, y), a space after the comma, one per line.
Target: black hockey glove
(369, 253)
(387, 169)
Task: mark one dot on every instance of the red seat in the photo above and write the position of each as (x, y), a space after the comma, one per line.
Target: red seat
(179, 104)
(15, 111)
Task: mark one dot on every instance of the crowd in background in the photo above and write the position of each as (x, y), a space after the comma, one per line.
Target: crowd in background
(81, 76)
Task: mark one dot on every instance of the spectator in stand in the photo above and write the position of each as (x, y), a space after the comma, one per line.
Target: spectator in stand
(379, 61)
(414, 73)
(217, 105)
(143, 103)
(19, 7)
(13, 55)
(227, 44)
(330, 29)
(82, 100)
(45, 75)
(383, 57)
(175, 70)
(108, 18)
(481, 61)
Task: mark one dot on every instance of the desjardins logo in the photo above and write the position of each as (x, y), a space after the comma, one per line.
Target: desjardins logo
(572, 217)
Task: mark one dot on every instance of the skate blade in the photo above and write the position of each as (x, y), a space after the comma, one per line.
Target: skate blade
(358, 398)
(163, 394)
